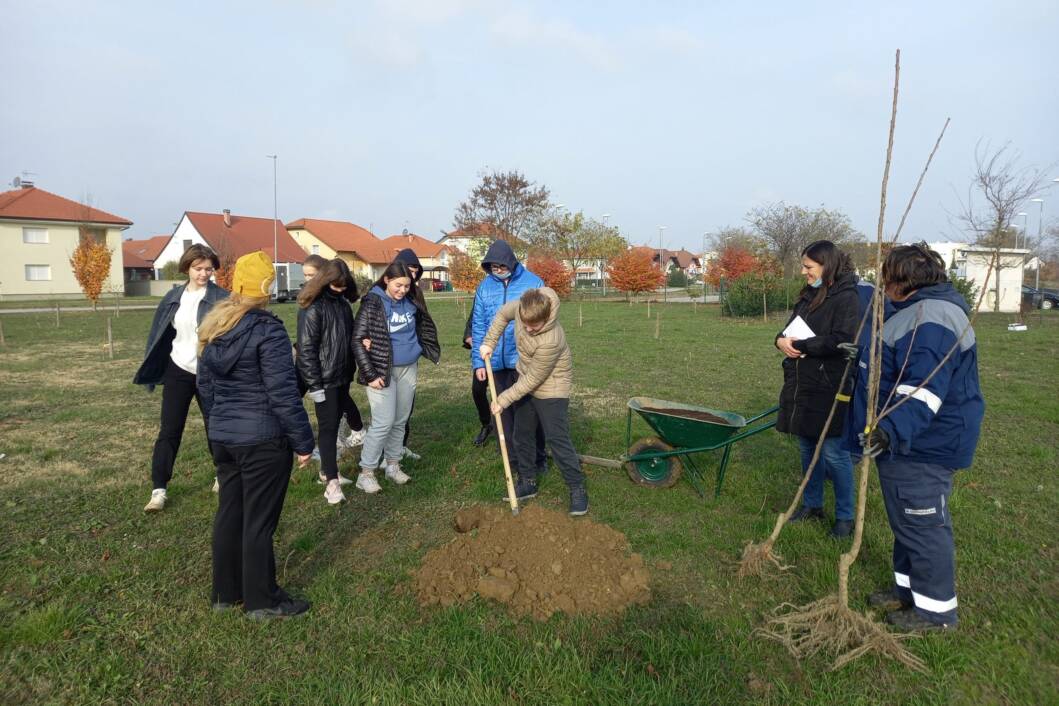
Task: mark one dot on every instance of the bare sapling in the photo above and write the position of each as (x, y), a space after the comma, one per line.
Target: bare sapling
(829, 625)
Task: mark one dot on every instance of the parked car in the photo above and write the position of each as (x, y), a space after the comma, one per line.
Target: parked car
(1040, 298)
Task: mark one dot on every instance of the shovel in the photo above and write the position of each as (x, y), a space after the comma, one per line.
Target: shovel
(503, 442)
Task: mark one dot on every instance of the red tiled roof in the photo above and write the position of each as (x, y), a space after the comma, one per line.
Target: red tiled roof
(419, 245)
(143, 253)
(342, 236)
(245, 235)
(33, 204)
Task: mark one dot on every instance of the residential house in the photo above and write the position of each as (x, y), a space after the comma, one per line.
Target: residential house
(361, 250)
(231, 237)
(39, 231)
(139, 257)
(1005, 274)
(433, 256)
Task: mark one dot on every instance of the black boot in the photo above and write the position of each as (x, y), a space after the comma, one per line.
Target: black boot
(807, 513)
(483, 434)
(842, 528)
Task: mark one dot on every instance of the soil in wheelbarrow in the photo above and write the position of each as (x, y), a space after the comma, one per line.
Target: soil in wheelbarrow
(691, 414)
(538, 563)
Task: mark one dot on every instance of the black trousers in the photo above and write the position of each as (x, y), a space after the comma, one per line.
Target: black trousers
(480, 395)
(539, 463)
(178, 389)
(253, 486)
(408, 424)
(532, 416)
(337, 403)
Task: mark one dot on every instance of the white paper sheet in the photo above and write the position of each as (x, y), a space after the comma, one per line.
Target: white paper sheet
(798, 329)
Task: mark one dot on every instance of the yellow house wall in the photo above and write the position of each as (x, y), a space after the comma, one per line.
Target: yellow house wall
(307, 240)
(62, 240)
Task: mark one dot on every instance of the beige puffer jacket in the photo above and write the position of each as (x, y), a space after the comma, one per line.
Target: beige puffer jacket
(545, 366)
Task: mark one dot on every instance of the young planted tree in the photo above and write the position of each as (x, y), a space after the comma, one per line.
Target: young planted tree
(634, 272)
(91, 264)
(554, 273)
(733, 262)
(464, 272)
(506, 202)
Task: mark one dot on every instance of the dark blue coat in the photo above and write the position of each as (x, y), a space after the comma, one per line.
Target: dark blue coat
(941, 421)
(492, 294)
(160, 338)
(857, 411)
(247, 383)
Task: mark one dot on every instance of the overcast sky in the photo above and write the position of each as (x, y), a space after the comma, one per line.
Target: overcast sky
(384, 113)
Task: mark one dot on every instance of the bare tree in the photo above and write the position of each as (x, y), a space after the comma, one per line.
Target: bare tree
(575, 239)
(507, 202)
(788, 229)
(999, 188)
(737, 236)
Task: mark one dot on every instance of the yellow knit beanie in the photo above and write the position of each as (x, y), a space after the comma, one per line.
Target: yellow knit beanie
(253, 275)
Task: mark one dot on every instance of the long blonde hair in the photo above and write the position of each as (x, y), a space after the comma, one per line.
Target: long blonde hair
(225, 315)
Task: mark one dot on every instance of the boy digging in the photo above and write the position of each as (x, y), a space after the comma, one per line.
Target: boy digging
(542, 393)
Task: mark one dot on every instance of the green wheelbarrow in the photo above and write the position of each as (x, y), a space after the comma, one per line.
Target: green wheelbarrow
(683, 430)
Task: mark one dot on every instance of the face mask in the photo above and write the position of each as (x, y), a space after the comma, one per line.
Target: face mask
(502, 275)
(817, 283)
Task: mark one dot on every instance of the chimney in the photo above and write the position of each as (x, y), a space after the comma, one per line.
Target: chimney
(228, 218)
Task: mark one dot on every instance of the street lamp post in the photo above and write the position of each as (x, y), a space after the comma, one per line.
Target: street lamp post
(665, 284)
(702, 266)
(275, 212)
(1024, 216)
(603, 260)
(1040, 227)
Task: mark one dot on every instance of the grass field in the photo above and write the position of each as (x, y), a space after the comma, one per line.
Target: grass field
(101, 603)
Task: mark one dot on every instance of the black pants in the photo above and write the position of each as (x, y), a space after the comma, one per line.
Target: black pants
(329, 413)
(532, 416)
(408, 424)
(253, 486)
(178, 389)
(480, 395)
(539, 463)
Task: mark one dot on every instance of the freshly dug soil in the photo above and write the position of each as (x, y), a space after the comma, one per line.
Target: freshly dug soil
(692, 414)
(535, 564)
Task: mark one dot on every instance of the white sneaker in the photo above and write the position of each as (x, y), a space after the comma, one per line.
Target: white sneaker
(157, 501)
(333, 494)
(394, 473)
(355, 438)
(410, 454)
(366, 482)
(342, 480)
(216, 485)
(316, 454)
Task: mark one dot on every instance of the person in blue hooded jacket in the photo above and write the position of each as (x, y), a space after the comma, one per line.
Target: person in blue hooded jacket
(506, 279)
(931, 411)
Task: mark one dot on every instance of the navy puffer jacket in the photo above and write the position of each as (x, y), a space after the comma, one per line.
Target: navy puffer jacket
(248, 387)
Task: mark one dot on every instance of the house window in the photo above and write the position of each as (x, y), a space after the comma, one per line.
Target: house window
(316, 250)
(187, 244)
(38, 273)
(35, 235)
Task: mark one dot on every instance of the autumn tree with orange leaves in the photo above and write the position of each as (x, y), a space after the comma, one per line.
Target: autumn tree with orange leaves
(634, 271)
(554, 273)
(91, 265)
(733, 263)
(464, 272)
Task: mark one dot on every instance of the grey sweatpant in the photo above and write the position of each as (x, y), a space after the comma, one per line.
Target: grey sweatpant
(390, 408)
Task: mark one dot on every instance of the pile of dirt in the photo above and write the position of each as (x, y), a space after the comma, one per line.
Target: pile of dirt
(691, 414)
(537, 563)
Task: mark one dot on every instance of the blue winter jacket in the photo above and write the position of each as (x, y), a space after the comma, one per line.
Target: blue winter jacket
(857, 410)
(941, 421)
(248, 387)
(492, 294)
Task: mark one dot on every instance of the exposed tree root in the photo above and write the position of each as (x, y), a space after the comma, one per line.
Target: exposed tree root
(829, 626)
(757, 557)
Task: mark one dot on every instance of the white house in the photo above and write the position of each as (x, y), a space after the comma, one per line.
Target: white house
(973, 263)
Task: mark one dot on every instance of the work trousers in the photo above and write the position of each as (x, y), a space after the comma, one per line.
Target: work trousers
(551, 418)
(834, 463)
(337, 403)
(253, 483)
(503, 379)
(480, 395)
(390, 408)
(917, 504)
(178, 389)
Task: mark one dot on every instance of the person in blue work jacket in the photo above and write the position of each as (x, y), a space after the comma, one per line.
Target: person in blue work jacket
(930, 429)
(506, 279)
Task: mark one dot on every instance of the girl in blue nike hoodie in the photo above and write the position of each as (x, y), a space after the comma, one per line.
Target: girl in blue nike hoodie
(400, 331)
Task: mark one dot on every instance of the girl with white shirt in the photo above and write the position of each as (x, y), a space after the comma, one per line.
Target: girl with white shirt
(171, 360)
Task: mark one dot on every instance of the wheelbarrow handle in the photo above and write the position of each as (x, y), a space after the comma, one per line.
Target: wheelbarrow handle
(766, 413)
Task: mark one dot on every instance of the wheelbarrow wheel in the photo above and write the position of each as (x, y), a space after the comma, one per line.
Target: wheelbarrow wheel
(653, 472)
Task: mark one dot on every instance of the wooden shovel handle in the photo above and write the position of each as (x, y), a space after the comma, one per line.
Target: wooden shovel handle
(503, 442)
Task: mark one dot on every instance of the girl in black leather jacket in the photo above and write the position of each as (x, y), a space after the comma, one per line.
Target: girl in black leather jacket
(326, 363)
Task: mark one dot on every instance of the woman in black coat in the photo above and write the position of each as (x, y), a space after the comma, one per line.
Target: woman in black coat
(812, 370)
(249, 392)
(325, 362)
(171, 360)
